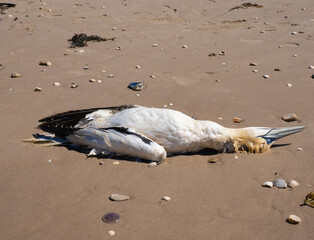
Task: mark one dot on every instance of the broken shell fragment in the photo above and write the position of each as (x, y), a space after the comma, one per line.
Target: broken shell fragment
(15, 75)
(294, 219)
(111, 233)
(237, 120)
(266, 76)
(38, 89)
(280, 183)
(118, 197)
(166, 198)
(57, 84)
(289, 85)
(290, 117)
(92, 80)
(45, 63)
(74, 85)
(309, 199)
(136, 86)
(293, 184)
(268, 184)
(253, 64)
(185, 46)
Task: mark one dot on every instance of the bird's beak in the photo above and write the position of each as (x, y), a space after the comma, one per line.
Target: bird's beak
(276, 133)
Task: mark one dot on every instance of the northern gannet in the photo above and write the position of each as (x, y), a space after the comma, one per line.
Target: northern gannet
(152, 133)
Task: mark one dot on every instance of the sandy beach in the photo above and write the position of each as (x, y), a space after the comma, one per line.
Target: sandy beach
(192, 56)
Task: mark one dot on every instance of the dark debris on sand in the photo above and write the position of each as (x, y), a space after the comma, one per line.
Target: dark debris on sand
(80, 40)
(5, 6)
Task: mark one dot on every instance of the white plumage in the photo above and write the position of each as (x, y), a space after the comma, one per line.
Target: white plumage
(151, 133)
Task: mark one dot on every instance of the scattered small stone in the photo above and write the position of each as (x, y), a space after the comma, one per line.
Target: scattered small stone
(170, 104)
(138, 66)
(294, 219)
(220, 118)
(101, 163)
(15, 19)
(74, 85)
(137, 95)
(217, 80)
(110, 76)
(119, 48)
(211, 54)
(185, 46)
(114, 28)
(166, 198)
(111, 233)
(45, 63)
(86, 68)
(41, 15)
(99, 81)
(294, 55)
(253, 64)
(266, 76)
(152, 76)
(302, 8)
(57, 84)
(309, 199)
(312, 76)
(212, 160)
(165, 106)
(236, 157)
(38, 89)
(262, 31)
(294, 33)
(293, 184)
(280, 183)
(299, 149)
(15, 75)
(289, 85)
(136, 86)
(155, 45)
(290, 117)
(116, 163)
(92, 80)
(111, 218)
(222, 53)
(223, 64)
(44, 70)
(82, 51)
(103, 71)
(280, 46)
(311, 67)
(237, 120)
(268, 184)
(255, 71)
(276, 69)
(49, 10)
(49, 160)
(152, 164)
(118, 197)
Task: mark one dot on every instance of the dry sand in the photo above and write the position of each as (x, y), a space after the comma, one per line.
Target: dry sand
(67, 197)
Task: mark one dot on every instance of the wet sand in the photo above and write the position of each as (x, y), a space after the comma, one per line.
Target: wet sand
(65, 198)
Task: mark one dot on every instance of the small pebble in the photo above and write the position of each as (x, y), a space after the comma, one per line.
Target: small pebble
(15, 75)
(266, 76)
(116, 163)
(217, 80)
(276, 69)
(38, 89)
(311, 67)
(255, 71)
(253, 64)
(165, 106)
(103, 71)
(45, 63)
(223, 64)
(302, 8)
(136, 86)
(294, 33)
(118, 197)
(111, 233)
(49, 160)
(57, 84)
(99, 81)
(213, 160)
(81, 51)
(268, 184)
(290, 117)
(312, 76)
(236, 157)
(119, 48)
(280, 183)
(111, 218)
(166, 198)
(152, 164)
(237, 120)
(211, 54)
(138, 66)
(280, 46)
(289, 85)
(110, 76)
(294, 55)
(74, 85)
(185, 46)
(222, 53)
(86, 68)
(101, 163)
(262, 31)
(299, 149)
(92, 80)
(152, 76)
(294, 219)
(170, 104)
(155, 45)
(293, 184)
(137, 95)
(114, 28)
(41, 15)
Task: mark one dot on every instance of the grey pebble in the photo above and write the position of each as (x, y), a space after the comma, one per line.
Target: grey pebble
(280, 183)
(119, 197)
(290, 117)
(136, 86)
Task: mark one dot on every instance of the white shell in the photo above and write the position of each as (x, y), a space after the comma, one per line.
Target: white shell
(38, 89)
(111, 233)
(92, 80)
(45, 63)
(266, 76)
(293, 184)
(289, 85)
(166, 198)
(294, 219)
(268, 184)
(57, 84)
(185, 46)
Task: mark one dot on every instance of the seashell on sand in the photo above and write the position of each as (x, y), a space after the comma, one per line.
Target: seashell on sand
(38, 89)
(294, 219)
(57, 84)
(136, 86)
(166, 198)
(118, 197)
(111, 233)
(74, 85)
(280, 183)
(15, 75)
(268, 184)
(293, 184)
(45, 63)
(237, 120)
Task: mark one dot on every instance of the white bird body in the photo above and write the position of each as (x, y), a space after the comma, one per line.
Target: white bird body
(151, 133)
